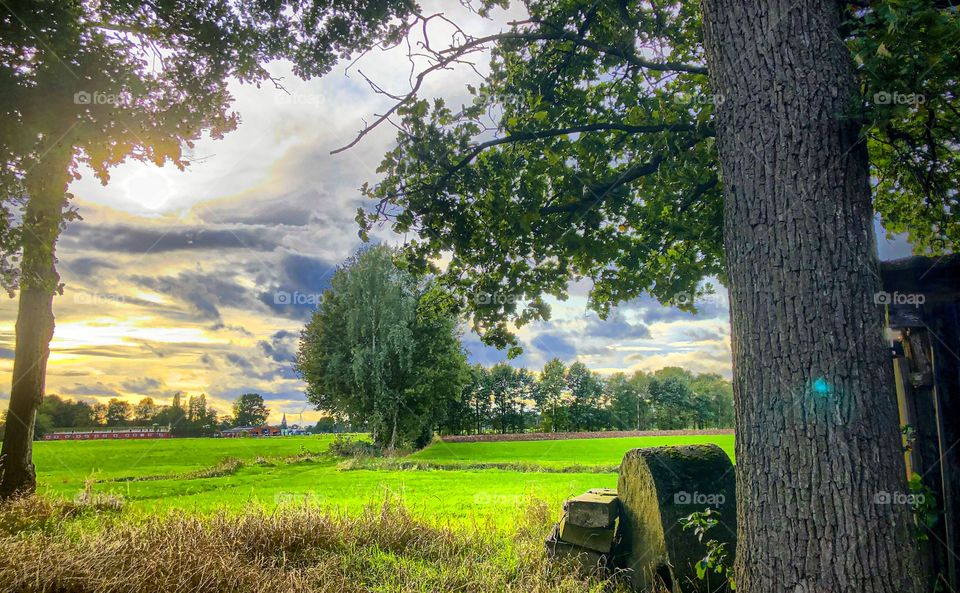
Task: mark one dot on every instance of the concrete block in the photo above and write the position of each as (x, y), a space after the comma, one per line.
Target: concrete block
(599, 539)
(593, 510)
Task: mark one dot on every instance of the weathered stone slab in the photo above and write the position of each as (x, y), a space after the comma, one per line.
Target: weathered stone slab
(603, 491)
(659, 486)
(593, 510)
(589, 561)
(599, 539)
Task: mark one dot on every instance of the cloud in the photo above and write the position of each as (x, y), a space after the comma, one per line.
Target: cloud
(616, 327)
(238, 361)
(296, 289)
(281, 347)
(86, 266)
(203, 292)
(554, 345)
(141, 239)
(98, 388)
(142, 385)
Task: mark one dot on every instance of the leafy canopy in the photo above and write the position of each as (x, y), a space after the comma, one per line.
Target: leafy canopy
(116, 79)
(588, 152)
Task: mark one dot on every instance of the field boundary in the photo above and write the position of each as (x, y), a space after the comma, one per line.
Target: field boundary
(562, 436)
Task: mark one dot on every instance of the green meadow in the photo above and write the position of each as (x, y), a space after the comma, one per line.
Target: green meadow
(439, 482)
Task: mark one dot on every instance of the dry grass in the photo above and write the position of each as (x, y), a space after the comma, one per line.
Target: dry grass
(297, 548)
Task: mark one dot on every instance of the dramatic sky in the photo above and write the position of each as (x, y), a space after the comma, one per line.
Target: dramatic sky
(176, 281)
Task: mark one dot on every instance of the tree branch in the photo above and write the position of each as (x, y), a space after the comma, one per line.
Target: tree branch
(452, 55)
(598, 127)
(601, 191)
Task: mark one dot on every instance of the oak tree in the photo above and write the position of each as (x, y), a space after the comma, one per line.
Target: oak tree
(647, 147)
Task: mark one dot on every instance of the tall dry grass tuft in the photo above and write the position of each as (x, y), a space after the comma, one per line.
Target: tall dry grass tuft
(294, 548)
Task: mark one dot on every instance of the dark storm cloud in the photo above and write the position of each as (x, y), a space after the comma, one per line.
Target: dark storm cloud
(297, 210)
(554, 345)
(238, 361)
(480, 353)
(205, 293)
(296, 289)
(6, 353)
(616, 327)
(86, 266)
(103, 351)
(97, 388)
(142, 385)
(650, 311)
(124, 238)
(281, 347)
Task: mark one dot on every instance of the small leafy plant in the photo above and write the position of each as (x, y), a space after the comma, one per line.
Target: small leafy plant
(346, 446)
(717, 559)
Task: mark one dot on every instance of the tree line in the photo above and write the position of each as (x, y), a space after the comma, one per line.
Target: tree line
(187, 416)
(562, 399)
(382, 354)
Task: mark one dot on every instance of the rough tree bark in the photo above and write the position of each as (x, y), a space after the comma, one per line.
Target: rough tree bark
(818, 440)
(46, 185)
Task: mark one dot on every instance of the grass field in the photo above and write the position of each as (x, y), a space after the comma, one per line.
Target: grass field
(563, 452)
(154, 475)
(212, 515)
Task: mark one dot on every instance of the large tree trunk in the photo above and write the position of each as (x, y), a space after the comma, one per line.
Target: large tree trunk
(46, 185)
(818, 440)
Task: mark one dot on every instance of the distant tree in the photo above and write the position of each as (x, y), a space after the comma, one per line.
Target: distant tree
(383, 349)
(548, 392)
(250, 410)
(502, 385)
(145, 410)
(629, 401)
(119, 412)
(477, 396)
(98, 414)
(586, 389)
(65, 413)
(714, 396)
(672, 401)
(330, 424)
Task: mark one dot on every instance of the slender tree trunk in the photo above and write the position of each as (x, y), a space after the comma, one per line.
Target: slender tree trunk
(393, 433)
(818, 442)
(46, 184)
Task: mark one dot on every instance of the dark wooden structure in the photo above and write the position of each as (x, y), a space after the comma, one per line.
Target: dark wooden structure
(922, 298)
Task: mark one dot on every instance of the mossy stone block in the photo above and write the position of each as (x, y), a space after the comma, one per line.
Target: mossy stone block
(588, 561)
(593, 510)
(599, 539)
